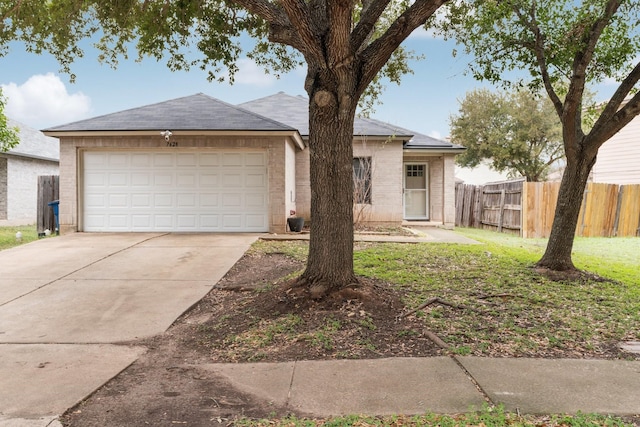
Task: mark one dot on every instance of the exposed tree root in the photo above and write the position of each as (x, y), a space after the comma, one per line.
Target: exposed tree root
(570, 275)
(436, 339)
(319, 289)
(490, 296)
(441, 302)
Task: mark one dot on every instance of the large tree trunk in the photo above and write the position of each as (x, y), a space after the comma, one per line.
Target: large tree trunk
(330, 262)
(557, 256)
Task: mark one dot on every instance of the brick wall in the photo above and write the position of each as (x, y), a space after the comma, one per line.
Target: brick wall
(22, 186)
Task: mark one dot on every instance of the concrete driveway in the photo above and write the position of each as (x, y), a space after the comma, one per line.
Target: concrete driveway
(65, 301)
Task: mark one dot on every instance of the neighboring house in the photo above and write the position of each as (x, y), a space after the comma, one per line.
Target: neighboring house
(618, 160)
(234, 168)
(479, 175)
(35, 155)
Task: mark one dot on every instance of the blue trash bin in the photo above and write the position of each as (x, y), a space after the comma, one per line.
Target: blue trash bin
(54, 204)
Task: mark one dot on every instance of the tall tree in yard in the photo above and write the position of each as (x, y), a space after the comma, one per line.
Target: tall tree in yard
(8, 136)
(564, 45)
(346, 45)
(518, 132)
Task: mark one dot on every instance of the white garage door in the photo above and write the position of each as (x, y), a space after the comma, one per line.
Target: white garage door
(175, 191)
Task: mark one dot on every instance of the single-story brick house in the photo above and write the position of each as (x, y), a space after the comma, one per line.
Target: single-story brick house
(199, 164)
(35, 155)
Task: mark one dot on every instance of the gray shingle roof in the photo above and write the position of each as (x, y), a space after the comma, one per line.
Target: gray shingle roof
(34, 143)
(195, 112)
(294, 111)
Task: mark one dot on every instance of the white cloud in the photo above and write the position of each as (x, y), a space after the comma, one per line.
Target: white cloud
(423, 33)
(43, 100)
(251, 74)
(435, 134)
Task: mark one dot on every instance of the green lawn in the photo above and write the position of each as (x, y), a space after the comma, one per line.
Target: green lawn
(616, 258)
(486, 417)
(8, 236)
(512, 310)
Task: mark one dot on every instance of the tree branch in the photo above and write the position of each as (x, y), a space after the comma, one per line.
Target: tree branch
(539, 51)
(300, 18)
(371, 12)
(620, 119)
(582, 59)
(617, 99)
(280, 28)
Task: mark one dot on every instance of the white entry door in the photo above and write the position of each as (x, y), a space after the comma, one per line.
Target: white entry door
(175, 191)
(416, 191)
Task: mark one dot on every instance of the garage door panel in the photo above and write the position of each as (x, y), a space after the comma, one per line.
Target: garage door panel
(141, 179)
(256, 180)
(188, 159)
(232, 159)
(256, 221)
(209, 159)
(255, 159)
(141, 160)
(95, 180)
(209, 200)
(175, 191)
(119, 200)
(165, 160)
(232, 180)
(96, 201)
(186, 201)
(233, 201)
(186, 179)
(140, 201)
(119, 222)
(231, 222)
(163, 179)
(256, 201)
(209, 180)
(162, 221)
(209, 222)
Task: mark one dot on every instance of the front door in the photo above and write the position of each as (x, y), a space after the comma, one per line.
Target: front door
(416, 191)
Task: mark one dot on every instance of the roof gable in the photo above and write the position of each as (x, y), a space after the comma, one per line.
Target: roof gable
(191, 113)
(294, 111)
(34, 143)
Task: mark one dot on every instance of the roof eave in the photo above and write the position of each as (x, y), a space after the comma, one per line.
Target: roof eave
(434, 150)
(294, 134)
(30, 156)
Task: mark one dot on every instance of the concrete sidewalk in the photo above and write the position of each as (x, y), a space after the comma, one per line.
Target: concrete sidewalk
(421, 234)
(65, 303)
(440, 384)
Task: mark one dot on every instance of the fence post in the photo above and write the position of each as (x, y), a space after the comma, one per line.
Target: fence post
(501, 211)
(48, 191)
(616, 221)
(585, 198)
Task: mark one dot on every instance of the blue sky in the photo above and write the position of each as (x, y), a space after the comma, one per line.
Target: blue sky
(40, 97)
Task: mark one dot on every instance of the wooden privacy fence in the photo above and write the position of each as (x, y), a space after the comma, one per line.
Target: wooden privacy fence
(48, 191)
(608, 210)
(495, 206)
(527, 208)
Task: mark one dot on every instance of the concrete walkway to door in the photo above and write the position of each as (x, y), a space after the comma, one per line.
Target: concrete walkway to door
(65, 301)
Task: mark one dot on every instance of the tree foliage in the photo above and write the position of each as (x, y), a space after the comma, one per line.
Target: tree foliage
(518, 132)
(563, 46)
(345, 45)
(8, 136)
